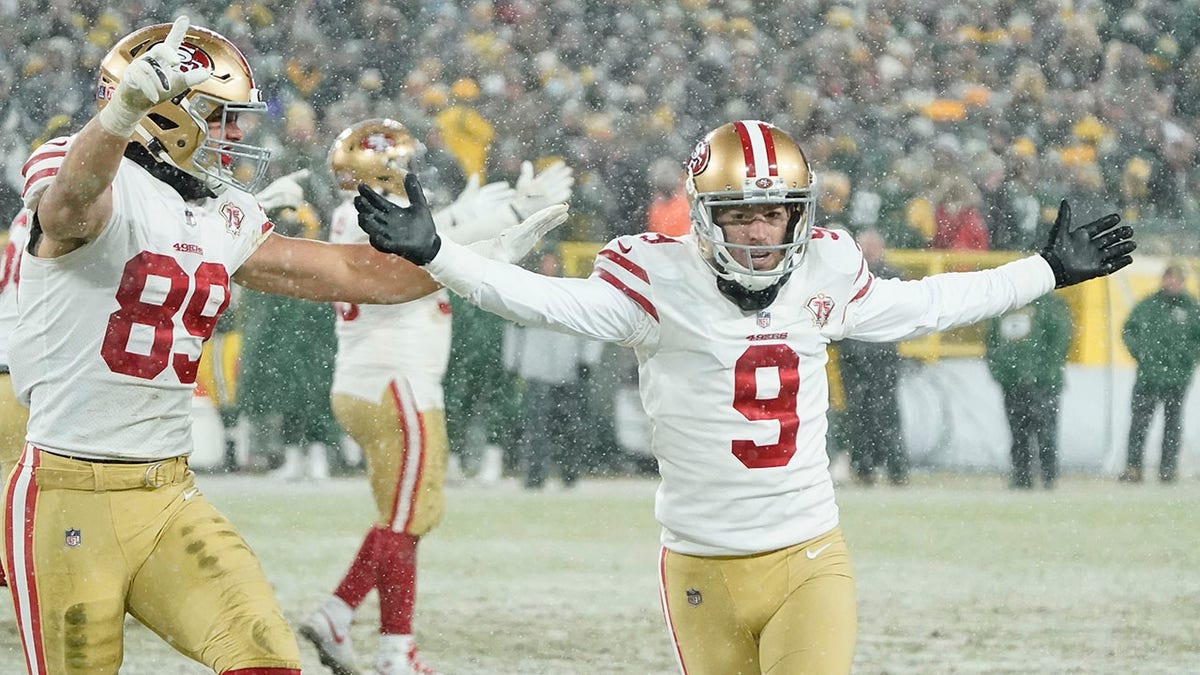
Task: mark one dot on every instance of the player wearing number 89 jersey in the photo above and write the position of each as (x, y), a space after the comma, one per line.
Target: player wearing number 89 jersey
(730, 325)
(149, 290)
(139, 224)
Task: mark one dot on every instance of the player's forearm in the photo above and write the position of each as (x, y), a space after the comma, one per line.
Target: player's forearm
(899, 310)
(577, 306)
(76, 205)
(324, 272)
(381, 278)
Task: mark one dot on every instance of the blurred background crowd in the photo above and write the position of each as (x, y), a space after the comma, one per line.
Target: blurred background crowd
(955, 124)
(949, 123)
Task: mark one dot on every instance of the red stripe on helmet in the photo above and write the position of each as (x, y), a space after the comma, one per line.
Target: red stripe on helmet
(764, 155)
(747, 149)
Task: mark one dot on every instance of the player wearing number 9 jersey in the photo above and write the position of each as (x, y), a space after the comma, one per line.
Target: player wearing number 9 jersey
(730, 325)
(141, 221)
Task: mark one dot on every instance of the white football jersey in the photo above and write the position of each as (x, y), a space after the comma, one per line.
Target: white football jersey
(379, 344)
(738, 399)
(108, 340)
(10, 274)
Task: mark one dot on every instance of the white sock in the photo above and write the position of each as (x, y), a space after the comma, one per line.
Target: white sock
(338, 611)
(395, 644)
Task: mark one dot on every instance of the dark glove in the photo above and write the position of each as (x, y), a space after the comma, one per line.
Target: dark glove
(1087, 251)
(406, 231)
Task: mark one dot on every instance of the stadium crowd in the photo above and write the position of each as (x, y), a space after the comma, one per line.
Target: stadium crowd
(944, 123)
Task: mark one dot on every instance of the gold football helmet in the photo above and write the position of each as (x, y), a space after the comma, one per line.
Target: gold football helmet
(376, 152)
(177, 131)
(742, 163)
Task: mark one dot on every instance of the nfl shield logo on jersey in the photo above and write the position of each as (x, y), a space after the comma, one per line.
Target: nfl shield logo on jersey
(694, 598)
(821, 306)
(764, 319)
(73, 538)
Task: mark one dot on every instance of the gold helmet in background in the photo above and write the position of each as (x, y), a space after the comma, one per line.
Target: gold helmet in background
(743, 163)
(177, 131)
(376, 152)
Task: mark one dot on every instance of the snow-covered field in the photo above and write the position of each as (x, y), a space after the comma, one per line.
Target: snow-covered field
(956, 574)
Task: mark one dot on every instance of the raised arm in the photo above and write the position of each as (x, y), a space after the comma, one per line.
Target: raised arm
(75, 207)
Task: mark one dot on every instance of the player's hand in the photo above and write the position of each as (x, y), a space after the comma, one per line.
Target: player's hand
(535, 192)
(154, 77)
(517, 241)
(1087, 251)
(283, 192)
(406, 231)
(472, 216)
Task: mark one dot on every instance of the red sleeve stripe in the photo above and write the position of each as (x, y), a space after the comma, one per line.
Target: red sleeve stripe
(758, 149)
(633, 295)
(40, 157)
(44, 173)
(866, 287)
(628, 264)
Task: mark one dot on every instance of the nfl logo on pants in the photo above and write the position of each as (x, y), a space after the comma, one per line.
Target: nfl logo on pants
(693, 597)
(73, 538)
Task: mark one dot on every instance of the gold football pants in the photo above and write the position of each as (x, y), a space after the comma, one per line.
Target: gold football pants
(785, 612)
(405, 451)
(13, 418)
(88, 541)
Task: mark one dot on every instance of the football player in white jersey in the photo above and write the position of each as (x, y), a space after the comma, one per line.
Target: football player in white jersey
(387, 387)
(13, 415)
(730, 325)
(141, 220)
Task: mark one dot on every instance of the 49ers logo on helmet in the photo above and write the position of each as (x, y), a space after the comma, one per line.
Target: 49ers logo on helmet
(192, 57)
(377, 142)
(698, 162)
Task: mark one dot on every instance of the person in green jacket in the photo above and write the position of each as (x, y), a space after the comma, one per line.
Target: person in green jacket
(1162, 334)
(1026, 354)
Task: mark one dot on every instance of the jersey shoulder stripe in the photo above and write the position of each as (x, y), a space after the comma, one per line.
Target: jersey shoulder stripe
(626, 263)
(622, 264)
(41, 168)
(641, 300)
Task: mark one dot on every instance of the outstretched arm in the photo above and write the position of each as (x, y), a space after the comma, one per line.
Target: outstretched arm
(317, 270)
(896, 310)
(586, 307)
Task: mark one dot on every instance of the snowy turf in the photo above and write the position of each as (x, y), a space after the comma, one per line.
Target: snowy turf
(956, 574)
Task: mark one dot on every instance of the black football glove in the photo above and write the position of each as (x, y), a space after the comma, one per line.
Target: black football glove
(406, 231)
(1087, 251)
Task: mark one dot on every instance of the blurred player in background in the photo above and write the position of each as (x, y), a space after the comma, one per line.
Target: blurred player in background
(140, 222)
(731, 325)
(387, 388)
(13, 415)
